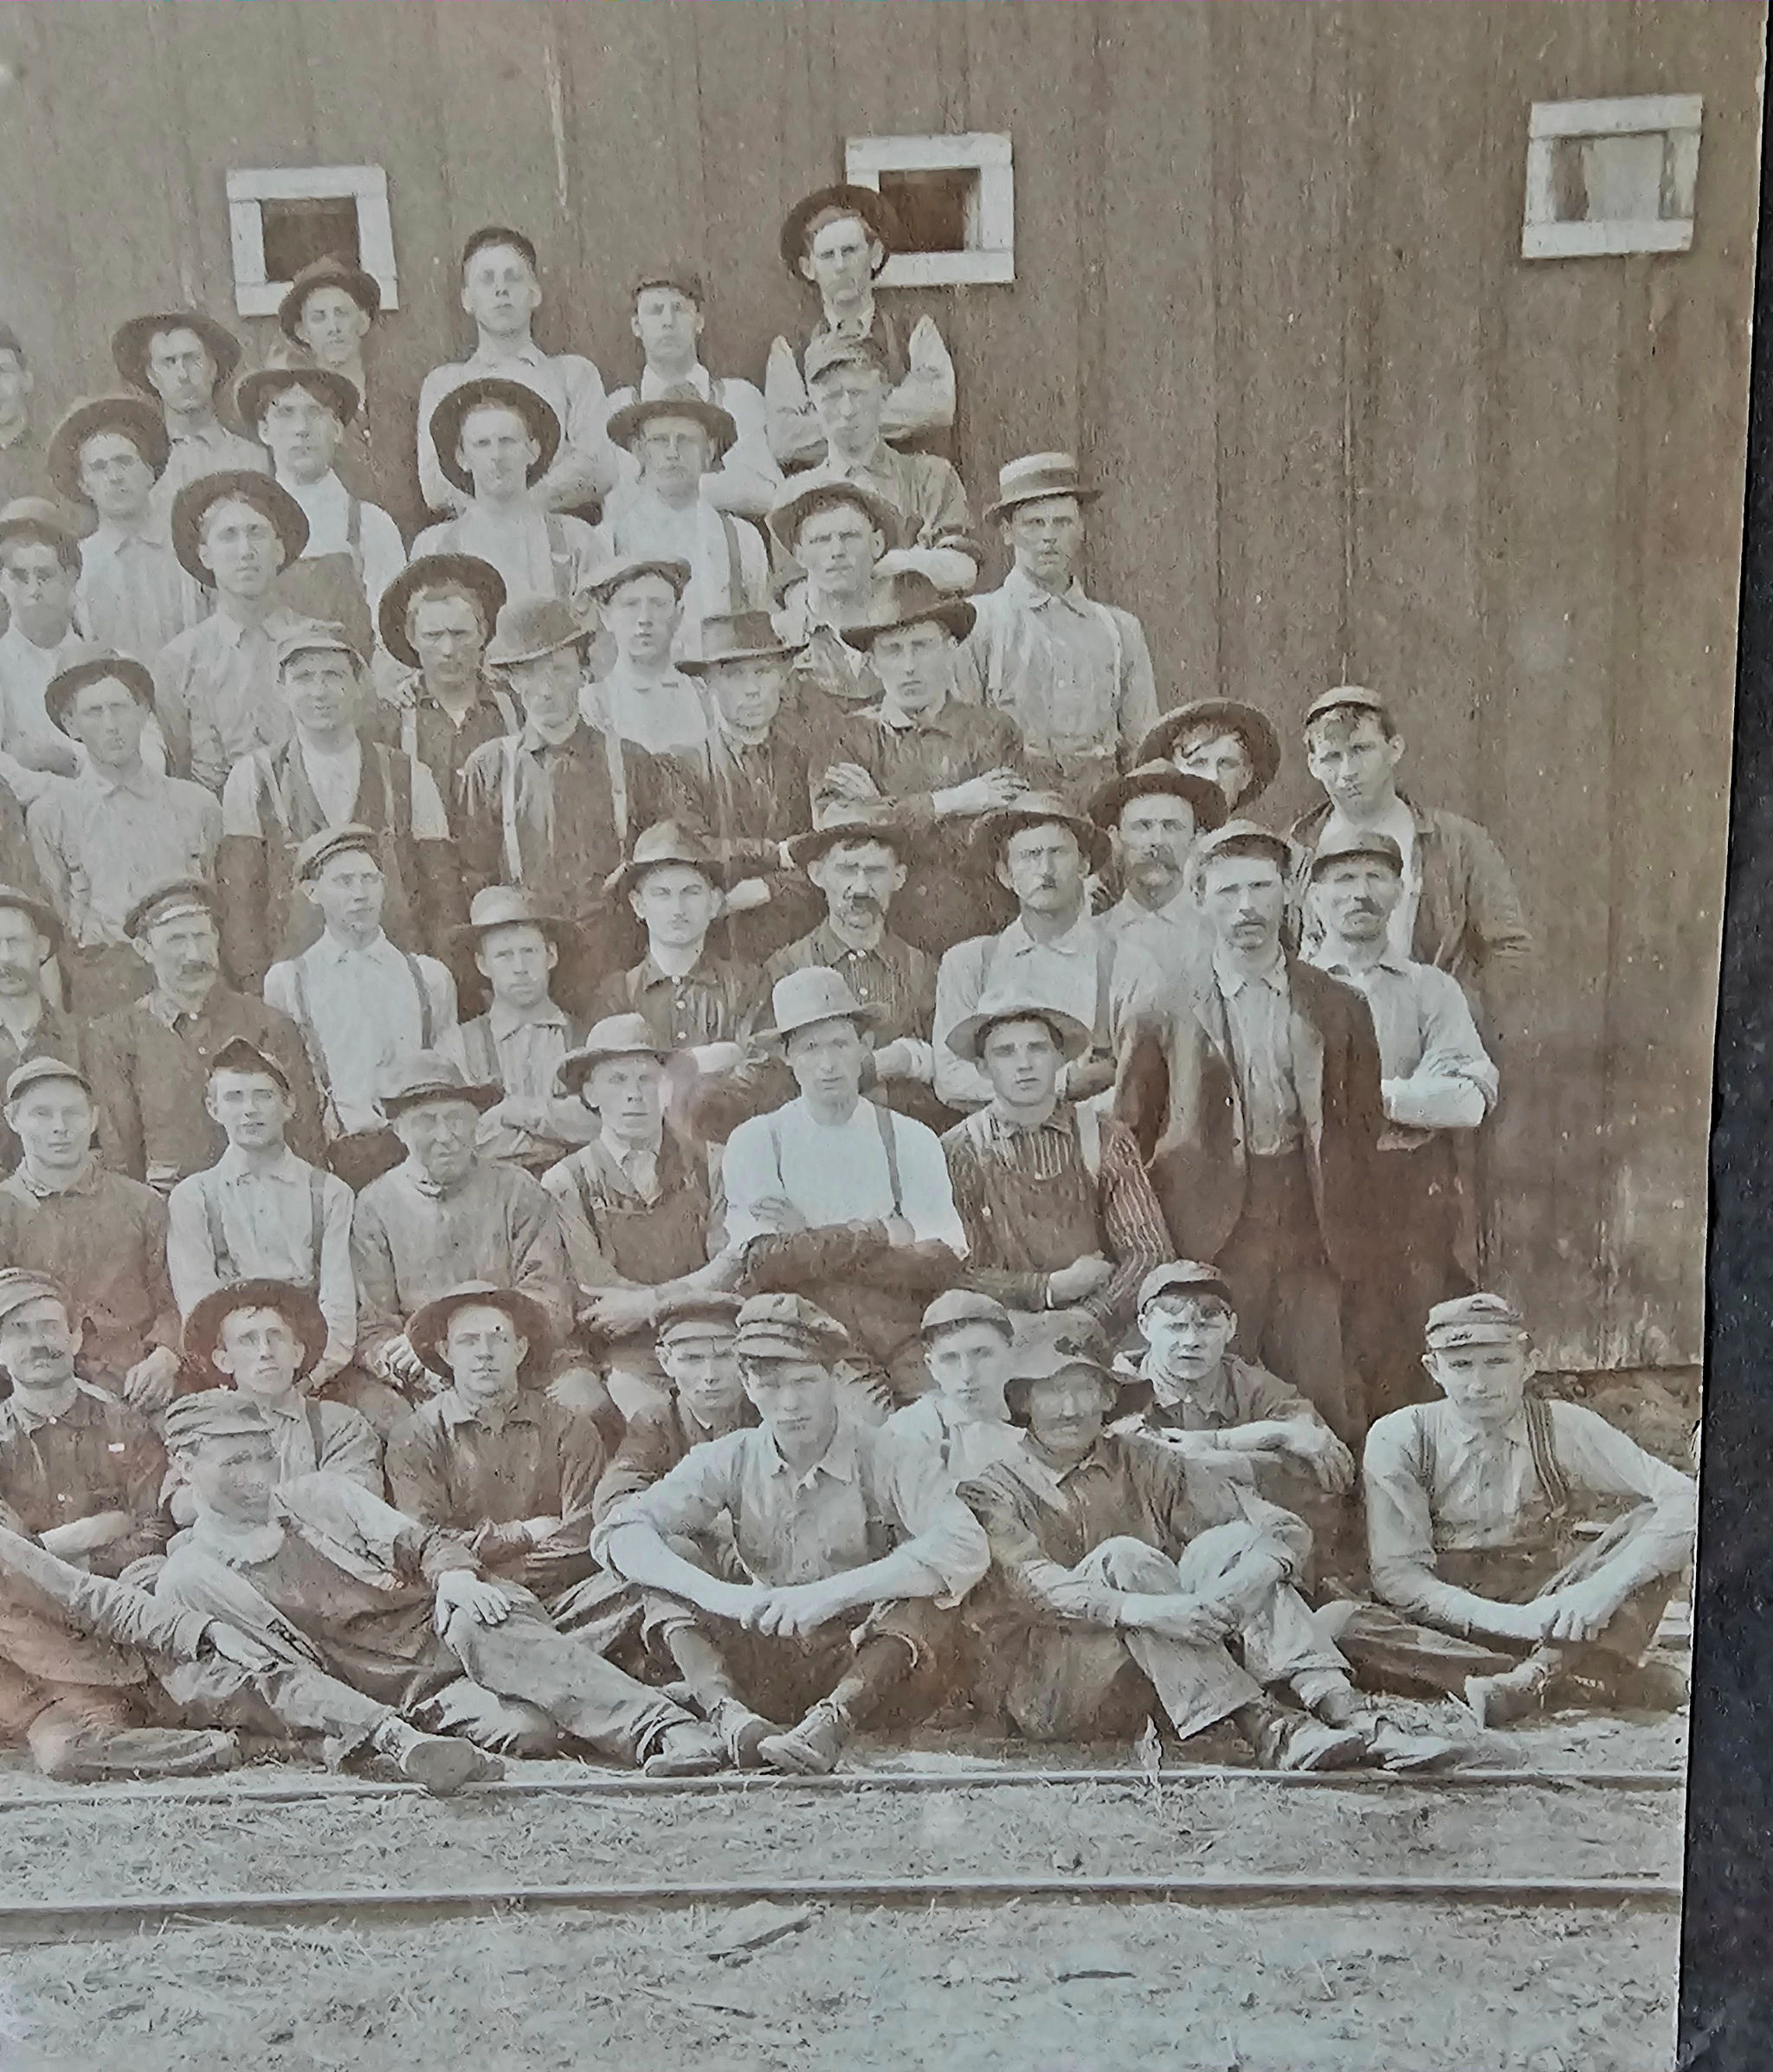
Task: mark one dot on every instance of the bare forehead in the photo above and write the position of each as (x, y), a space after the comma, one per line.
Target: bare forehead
(491, 417)
(236, 513)
(238, 1322)
(177, 342)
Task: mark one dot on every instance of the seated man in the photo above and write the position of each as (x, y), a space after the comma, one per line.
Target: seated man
(1057, 1209)
(963, 1425)
(869, 1547)
(31, 1024)
(838, 1197)
(435, 619)
(518, 1044)
(1474, 1505)
(642, 694)
(80, 1473)
(697, 1345)
(370, 1616)
(101, 1235)
(1232, 745)
(1121, 1570)
(1155, 814)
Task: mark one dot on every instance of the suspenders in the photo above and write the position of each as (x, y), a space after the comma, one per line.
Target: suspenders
(1089, 1134)
(227, 1269)
(1106, 947)
(310, 1034)
(559, 555)
(994, 653)
(889, 1143)
(482, 1057)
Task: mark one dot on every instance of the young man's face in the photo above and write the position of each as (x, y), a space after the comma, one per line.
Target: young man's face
(668, 326)
(320, 687)
(448, 637)
(916, 665)
(628, 1095)
(349, 890)
(485, 1353)
(107, 719)
(968, 1364)
(184, 953)
(797, 1399)
(180, 370)
(38, 587)
(302, 432)
(37, 1345)
(496, 452)
(1485, 1382)
(1189, 1335)
(1221, 759)
(23, 950)
(675, 453)
(702, 1368)
(838, 547)
(548, 688)
(1046, 538)
(858, 880)
(250, 1106)
(1067, 1412)
(53, 1120)
(114, 477)
(259, 1351)
(676, 906)
(1023, 1061)
(333, 325)
(16, 386)
(1044, 867)
(840, 260)
(233, 1479)
(1352, 759)
(500, 291)
(239, 546)
(517, 963)
(827, 1058)
(748, 695)
(1242, 899)
(848, 402)
(440, 1137)
(642, 617)
(1156, 833)
(1357, 898)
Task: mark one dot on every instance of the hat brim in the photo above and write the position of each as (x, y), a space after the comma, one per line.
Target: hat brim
(535, 411)
(992, 830)
(480, 577)
(965, 1037)
(1116, 1387)
(65, 688)
(1252, 727)
(138, 420)
(263, 492)
(895, 835)
(44, 918)
(252, 392)
(634, 417)
(955, 614)
(864, 1014)
(203, 1327)
(50, 531)
(678, 574)
(764, 1342)
(465, 937)
(1085, 493)
(784, 520)
(478, 1095)
(1204, 796)
(129, 344)
(581, 638)
(1318, 861)
(574, 1069)
(429, 1328)
(363, 288)
(623, 879)
(875, 209)
(693, 665)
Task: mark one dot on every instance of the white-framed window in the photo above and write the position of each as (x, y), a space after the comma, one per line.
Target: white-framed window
(1610, 177)
(956, 197)
(283, 217)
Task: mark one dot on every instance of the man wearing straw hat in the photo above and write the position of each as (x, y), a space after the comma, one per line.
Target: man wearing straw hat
(184, 358)
(435, 620)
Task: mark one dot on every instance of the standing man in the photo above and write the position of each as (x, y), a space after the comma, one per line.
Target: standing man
(132, 595)
(837, 239)
(1074, 674)
(326, 318)
(501, 291)
(31, 1024)
(435, 619)
(149, 1062)
(39, 571)
(835, 538)
(21, 447)
(644, 697)
(1232, 745)
(104, 838)
(182, 358)
(1156, 813)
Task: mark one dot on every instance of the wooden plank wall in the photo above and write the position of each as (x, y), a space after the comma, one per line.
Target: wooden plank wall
(1269, 286)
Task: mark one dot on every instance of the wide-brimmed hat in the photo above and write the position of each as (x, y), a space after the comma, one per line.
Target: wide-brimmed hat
(851, 820)
(666, 841)
(510, 907)
(428, 1331)
(1474, 1320)
(911, 599)
(35, 1071)
(1203, 797)
(203, 1327)
(37, 517)
(633, 418)
(329, 272)
(59, 692)
(129, 342)
(1035, 809)
(1054, 1344)
(958, 1306)
(875, 209)
(169, 901)
(1035, 475)
(1225, 715)
(480, 578)
(608, 581)
(967, 1037)
(616, 1036)
(312, 856)
(529, 629)
(315, 636)
(1244, 837)
(239, 484)
(253, 392)
(737, 637)
(1339, 849)
(42, 917)
(1184, 1277)
(140, 421)
(817, 993)
(785, 1327)
(423, 1075)
(817, 487)
(537, 412)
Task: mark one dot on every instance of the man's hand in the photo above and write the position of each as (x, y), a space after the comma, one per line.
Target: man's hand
(899, 1231)
(1579, 1612)
(40, 752)
(896, 1059)
(1329, 1460)
(1190, 1619)
(228, 1643)
(746, 895)
(776, 1213)
(1078, 1281)
(525, 1112)
(149, 1383)
(493, 1545)
(719, 1057)
(460, 1589)
(801, 1608)
(850, 784)
(403, 1368)
(82, 1535)
(618, 1312)
(988, 794)
(1087, 1077)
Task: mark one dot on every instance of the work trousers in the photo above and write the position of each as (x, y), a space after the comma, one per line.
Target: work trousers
(1420, 1202)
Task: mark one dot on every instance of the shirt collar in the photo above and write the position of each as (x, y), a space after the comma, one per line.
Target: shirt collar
(529, 355)
(231, 1168)
(839, 1460)
(235, 1545)
(138, 782)
(857, 326)
(1214, 1395)
(331, 950)
(1234, 978)
(1079, 939)
(79, 1411)
(1033, 595)
(534, 744)
(1339, 967)
(653, 386)
(945, 720)
(650, 974)
(502, 1018)
(86, 1181)
(167, 1012)
(455, 1411)
(115, 538)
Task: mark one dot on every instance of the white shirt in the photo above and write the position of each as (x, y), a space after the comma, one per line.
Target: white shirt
(747, 479)
(637, 523)
(26, 672)
(837, 1173)
(520, 544)
(335, 775)
(664, 718)
(326, 506)
(1173, 935)
(133, 594)
(951, 1449)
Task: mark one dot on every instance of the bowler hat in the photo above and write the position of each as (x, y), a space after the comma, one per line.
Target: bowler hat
(37, 517)
(1474, 1320)
(1339, 849)
(1224, 715)
(802, 495)
(238, 484)
(20, 1284)
(219, 1413)
(958, 1306)
(537, 412)
(62, 686)
(1035, 475)
(699, 1315)
(850, 820)
(1244, 837)
(610, 580)
(319, 850)
(423, 1075)
(131, 341)
(255, 392)
(1036, 810)
(1203, 797)
(817, 993)
(875, 209)
(315, 636)
(297, 1306)
(480, 578)
(532, 628)
(1347, 697)
(1184, 1277)
(428, 1331)
(42, 918)
(169, 902)
(329, 271)
(666, 841)
(912, 600)
(737, 636)
(633, 418)
(616, 1036)
(240, 1054)
(140, 421)
(510, 907)
(784, 1327)
(35, 1071)
(967, 1038)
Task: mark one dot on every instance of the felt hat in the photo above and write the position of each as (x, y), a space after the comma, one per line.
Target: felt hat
(912, 600)
(801, 494)
(737, 636)
(828, 350)
(42, 918)
(1338, 848)
(140, 421)
(59, 694)
(1055, 1345)
(1347, 697)
(627, 424)
(959, 1306)
(537, 412)
(967, 1038)
(315, 636)
(1202, 796)
(616, 1036)
(37, 517)
(610, 580)
(814, 994)
(428, 1331)
(666, 841)
(1035, 475)
(875, 209)
(1035, 809)
(532, 627)
(851, 820)
(670, 273)
(1224, 715)
(20, 1284)
(169, 902)
(510, 907)
(131, 341)
(1184, 1277)
(709, 1315)
(1479, 1319)
(240, 1054)
(297, 1306)
(1242, 837)
(328, 272)
(35, 1071)
(218, 1413)
(784, 1327)
(423, 1075)
(480, 578)
(253, 392)
(319, 850)
(239, 484)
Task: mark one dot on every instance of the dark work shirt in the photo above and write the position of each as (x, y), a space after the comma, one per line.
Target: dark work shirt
(104, 1240)
(448, 1468)
(99, 1455)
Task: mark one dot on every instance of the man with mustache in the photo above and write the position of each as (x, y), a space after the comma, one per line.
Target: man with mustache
(1156, 813)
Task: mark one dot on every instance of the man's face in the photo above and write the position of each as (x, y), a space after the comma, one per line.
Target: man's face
(16, 386)
(827, 1057)
(1189, 1335)
(702, 1368)
(331, 324)
(233, 1479)
(748, 695)
(675, 453)
(302, 433)
(517, 963)
(440, 1137)
(916, 666)
(676, 906)
(642, 617)
(1156, 833)
(38, 588)
(1242, 899)
(1067, 1412)
(114, 477)
(249, 1105)
(668, 326)
(53, 1120)
(1350, 757)
(37, 1345)
(797, 1399)
(107, 719)
(841, 260)
(848, 402)
(1485, 1382)
(1356, 899)
(501, 292)
(23, 950)
(180, 371)
(1023, 1061)
(483, 1352)
(1221, 759)
(968, 1364)
(496, 452)
(349, 889)
(1044, 867)
(239, 546)
(260, 1352)
(184, 953)
(838, 547)
(320, 688)
(1046, 538)
(448, 637)
(548, 688)
(628, 1095)
(858, 880)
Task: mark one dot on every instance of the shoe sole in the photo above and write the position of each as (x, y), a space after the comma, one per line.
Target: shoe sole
(1343, 1753)
(794, 1758)
(442, 1767)
(684, 1765)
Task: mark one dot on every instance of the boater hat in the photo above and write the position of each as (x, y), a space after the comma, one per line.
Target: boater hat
(297, 1306)
(616, 1036)
(875, 209)
(627, 424)
(784, 1327)
(912, 600)
(62, 686)
(253, 392)
(480, 578)
(851, 820)
(667, 841)
(676, 573)
(531, 627)
(1035, 809)
(428, 1331)
(140, 421)
(238, 484)
(1203, 797)
(423, 1075)
(169, 902)
(737, 637)
(967, 1038)
(801, 495)
(814, 994)
(130, 342)
(1037, 475)
(43, 919)
(330, 272)
(1381, 848)
(537, 412)
(1224, 715)
(509, 907)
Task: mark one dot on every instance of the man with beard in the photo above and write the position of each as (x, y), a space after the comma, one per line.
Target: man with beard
(1156, 813)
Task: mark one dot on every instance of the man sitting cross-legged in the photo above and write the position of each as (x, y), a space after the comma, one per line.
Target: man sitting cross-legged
(842, 1533)
(963, 1425)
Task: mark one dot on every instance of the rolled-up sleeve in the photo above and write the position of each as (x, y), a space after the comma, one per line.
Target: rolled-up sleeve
(683, 1503)
(1401, 1527)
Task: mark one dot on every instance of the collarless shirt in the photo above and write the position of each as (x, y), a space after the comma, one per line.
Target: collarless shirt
(1075, 673)
(836, 1172)
(1259, 1011)
(101, 842)
(133, 594)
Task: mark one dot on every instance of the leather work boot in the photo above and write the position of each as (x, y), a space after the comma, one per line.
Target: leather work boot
(686, 1749)
(436, 1762)
(743, 1731)
(1651, 1687)
(1497, 1701)
(1405, 1753)
(812, 1748)
(1297, 1741)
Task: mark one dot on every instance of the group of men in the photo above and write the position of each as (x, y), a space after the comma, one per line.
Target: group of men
(640, 1120)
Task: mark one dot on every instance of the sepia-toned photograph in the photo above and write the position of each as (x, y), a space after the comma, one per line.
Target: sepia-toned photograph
(860, 881)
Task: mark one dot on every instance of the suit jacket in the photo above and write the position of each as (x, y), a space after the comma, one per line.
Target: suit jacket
(1179, 1092)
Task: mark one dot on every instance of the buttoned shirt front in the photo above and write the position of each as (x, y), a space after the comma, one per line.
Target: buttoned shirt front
(837, 1173)
(450, 1465)
(101, 840)
(335, 775)
(582, 470)
(1259, 1010)
(664, 716)
(217, 694)
(1437, 1072)
(103, 1237)
(380, 551)
(133, 594)
(895, 979)
(1397, 821)
(411, 718)
(199, 450)
(714, 1001)
(1074, 675)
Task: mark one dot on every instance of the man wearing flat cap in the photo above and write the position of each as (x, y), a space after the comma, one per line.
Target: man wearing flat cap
(837, 239)
(183, 358)
(1156, 815)
(1488, 1582)
(1232, 745)
(435, 619)
(963, 1425)
(1074, 674)
(846, 1571)
(31, 1024)
(696, 1342)
(39, 572)
(149, 1062)
(642, 694)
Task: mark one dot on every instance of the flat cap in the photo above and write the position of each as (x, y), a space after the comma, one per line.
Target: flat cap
(1341, 849)
(213, 1414)
(961, 1306)
(1244, 838)
(319, 850)
(20, 1284)
(711, 1315)
(169, 902)
(1474, 1320)
(315, 637)
(1352, 697)
(240, 1054)
(35, 1071)
(1184, 1277)
(671, 273)
(827, 350)
(787, 1327)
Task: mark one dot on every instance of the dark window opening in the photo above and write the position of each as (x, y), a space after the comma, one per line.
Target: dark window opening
(933, 207)
(298, 233)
